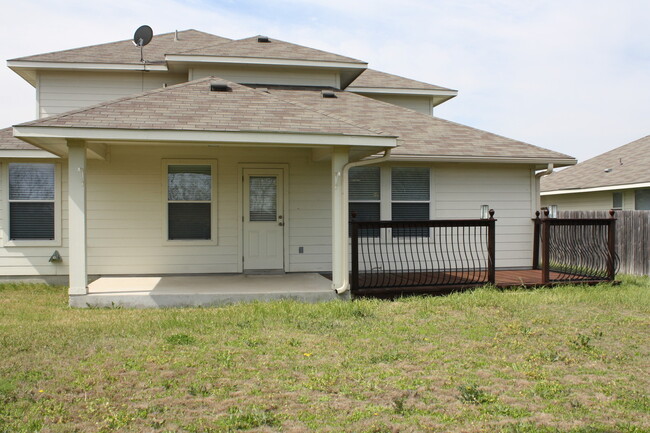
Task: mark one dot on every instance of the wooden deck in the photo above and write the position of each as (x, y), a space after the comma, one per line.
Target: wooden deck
(399, 285)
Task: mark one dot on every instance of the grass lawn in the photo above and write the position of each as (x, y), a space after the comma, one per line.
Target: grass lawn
(568, 359)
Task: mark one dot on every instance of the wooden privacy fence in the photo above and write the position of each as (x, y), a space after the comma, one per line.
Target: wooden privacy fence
(632, 238)
(575, 249)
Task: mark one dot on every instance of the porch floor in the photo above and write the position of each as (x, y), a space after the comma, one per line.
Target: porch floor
(203, 290)
(505, 278)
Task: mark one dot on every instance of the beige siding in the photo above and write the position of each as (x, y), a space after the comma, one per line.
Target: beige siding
(280, 76)
(126, 212)
(599, 200)
(420, 104)
(61, 91)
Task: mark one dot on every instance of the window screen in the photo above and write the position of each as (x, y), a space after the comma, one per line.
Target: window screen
(189, 207)
(364, 190)
(642, 199)
(410, 194)
(31, 201)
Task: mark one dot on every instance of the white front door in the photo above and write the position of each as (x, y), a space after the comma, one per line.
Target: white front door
(263, 219)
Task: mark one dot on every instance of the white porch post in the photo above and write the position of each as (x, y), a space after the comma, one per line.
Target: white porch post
(339, 240)
(77, 217)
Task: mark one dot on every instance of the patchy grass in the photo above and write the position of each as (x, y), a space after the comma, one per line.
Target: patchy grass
(568, 359)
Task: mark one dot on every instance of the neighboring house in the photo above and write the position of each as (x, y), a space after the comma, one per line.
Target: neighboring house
(618, 179)
(232, 156)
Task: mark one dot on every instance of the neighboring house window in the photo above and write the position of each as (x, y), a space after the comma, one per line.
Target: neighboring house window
(617, 200)
(642, 199)
(189, 201)
(32, 195)
(365, 196)
(410, 198)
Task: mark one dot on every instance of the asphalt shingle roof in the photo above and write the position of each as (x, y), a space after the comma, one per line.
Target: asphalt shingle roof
(629, 164)
(372, 78)
(274, 49)
(125, 52)
(9, 142)
(192, 106)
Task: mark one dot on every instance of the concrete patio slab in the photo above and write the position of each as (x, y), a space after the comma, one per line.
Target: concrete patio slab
(204, 290)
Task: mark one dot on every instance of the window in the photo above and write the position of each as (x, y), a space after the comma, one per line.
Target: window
(365, 196)
(190, 212)
(410, 197)
(642, 199)
(32, 202)
(617, 200)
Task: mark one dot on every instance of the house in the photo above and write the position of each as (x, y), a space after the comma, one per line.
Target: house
(618, 179)
(211, 156)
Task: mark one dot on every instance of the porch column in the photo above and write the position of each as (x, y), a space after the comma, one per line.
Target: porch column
(339, 219)
(77, 217)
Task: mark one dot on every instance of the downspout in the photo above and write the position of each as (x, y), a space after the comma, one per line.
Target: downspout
(343, 176)
(538, 176)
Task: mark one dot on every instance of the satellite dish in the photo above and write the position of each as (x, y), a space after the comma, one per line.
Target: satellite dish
(142, 36)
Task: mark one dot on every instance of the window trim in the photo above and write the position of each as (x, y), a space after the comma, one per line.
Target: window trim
(214, 233)
(622, 195)
(377, 201)
(5, 241)
(391, 201)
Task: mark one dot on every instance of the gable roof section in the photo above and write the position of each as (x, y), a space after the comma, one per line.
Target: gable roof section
(274, 49)
(125, 52)
(420, 135)
(372, 78)
(9, 142)
(629, 164)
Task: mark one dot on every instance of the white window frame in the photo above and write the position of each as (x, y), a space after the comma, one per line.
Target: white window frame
(214, 233)
(5, 215)
(378, 200)
(622, 200)
(390, 201)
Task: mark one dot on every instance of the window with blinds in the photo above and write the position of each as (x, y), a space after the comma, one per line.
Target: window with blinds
(189, 202)
(410, 198)
(364, 192)
(31, 201)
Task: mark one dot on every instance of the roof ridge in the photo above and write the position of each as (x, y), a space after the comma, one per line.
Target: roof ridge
(113, 42)
(115, 101)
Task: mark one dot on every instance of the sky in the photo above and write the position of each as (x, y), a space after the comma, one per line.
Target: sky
(568, 75)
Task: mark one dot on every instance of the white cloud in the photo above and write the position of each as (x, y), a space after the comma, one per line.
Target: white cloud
(571, 76)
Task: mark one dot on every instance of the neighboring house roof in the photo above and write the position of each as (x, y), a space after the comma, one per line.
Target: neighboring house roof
(273, 49)
(125, 52)
(624, 166)
(372, 78)
(9, 142)
(192, 106)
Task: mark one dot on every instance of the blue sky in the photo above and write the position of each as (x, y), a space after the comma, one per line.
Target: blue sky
(571, 75)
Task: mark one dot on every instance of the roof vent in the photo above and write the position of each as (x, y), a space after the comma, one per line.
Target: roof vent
(608, 170)
(263, 39)
(328, 94)
(219, 87)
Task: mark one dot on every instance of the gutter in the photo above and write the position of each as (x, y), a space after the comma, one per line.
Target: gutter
(344, 176)
(549, 170)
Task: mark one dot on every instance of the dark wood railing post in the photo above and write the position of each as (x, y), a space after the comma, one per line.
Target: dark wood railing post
(546, 252)
(537, 226)
(611, 246)
(491, 249)
(354, 279)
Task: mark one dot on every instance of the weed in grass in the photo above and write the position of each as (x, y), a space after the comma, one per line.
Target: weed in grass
(251, 417)
(549, 390)
(199, 390)
(472, 394)
(582, 342)
(180, 339)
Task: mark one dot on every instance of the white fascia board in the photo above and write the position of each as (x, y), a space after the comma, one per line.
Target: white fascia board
(28, 153)
(484, 159)
(26, 64)
(597, 189)
(207, 137)
(395, 91)
(263, 61)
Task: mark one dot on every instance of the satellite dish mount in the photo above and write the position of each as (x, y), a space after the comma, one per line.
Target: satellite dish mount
(142, 37)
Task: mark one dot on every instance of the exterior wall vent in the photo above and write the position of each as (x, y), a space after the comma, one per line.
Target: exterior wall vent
(328, 94)
(263, 39)
(219, 87)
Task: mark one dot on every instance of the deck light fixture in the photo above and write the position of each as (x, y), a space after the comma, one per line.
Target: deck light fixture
(485, 211)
